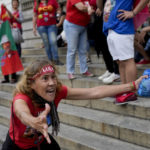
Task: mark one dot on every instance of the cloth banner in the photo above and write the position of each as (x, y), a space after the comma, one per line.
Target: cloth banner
(4, 15)
(9, 62)
(141, 17)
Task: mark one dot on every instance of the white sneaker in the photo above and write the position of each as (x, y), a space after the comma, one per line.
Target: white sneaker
(105, 75)
(111, 78)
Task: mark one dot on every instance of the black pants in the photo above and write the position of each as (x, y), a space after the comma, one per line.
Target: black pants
(13, 76)
(95, 33)
(9, 145)
(18, 46)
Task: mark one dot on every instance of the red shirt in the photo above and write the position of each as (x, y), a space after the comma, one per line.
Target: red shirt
(26, 137)
(76, 16)
(46, 15)
(15, 23)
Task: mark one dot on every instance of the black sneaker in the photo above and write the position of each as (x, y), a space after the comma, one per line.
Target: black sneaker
(5, 81)
(57, 62)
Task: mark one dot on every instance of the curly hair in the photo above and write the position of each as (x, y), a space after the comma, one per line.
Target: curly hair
(24, 84)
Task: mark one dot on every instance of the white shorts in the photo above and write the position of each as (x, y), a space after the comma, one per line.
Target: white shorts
(121, 46)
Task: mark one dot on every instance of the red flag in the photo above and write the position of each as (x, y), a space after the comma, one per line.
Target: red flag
(141, 17)
(4, 15)
(11, 63)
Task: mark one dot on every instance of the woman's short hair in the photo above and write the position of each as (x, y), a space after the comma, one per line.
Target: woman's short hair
(24, 84)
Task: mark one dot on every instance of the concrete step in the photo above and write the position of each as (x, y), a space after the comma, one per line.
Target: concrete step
(77, 138)
(72, 138)
(138, 109)
(118, 126)
(41, 51)
(30, 58)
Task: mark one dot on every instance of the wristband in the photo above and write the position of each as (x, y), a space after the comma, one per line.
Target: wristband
(133, 86)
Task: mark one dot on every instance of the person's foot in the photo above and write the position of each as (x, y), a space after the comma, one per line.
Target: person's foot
(5, 81)
(58, 62)
(13, 81)
(125, 98)
(87, 74)
(88, 61)
(71, 76)
(105, 75)
(110, 79)
(143, 62)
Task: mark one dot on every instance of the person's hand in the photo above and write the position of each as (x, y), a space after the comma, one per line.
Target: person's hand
(41, 123)
(124, 15)
(90, 10)
(4, 6)
(34, 31)
(98, 12)
(138, 81)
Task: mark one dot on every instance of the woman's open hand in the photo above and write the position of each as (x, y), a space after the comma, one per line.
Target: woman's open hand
(41, 123)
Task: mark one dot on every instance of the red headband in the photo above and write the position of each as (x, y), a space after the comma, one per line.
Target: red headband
(44, 70)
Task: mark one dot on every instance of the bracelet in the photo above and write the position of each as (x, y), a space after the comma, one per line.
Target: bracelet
(133, 86)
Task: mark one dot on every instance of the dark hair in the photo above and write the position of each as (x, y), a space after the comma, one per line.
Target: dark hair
(38, 2)
(15, 0)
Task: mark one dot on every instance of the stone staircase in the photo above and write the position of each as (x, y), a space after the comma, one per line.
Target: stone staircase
(88, 124)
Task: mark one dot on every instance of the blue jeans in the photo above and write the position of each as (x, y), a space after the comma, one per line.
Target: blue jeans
(77, 41)
(49, 37)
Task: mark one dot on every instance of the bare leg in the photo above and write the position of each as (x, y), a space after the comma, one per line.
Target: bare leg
(130, 70)
(121, 65)
(141, 50)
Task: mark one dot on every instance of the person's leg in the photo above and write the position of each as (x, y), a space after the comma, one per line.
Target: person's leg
(82, 50)
(106, 55)
(141, 50)
(130, 70)
(121, 65)
(52, 37)
(18, 46)
(72, 44)
(44, 35)
(6, 79)
(13, 78)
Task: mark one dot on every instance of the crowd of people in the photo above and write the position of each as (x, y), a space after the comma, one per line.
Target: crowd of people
(100, 24)
(108, 25)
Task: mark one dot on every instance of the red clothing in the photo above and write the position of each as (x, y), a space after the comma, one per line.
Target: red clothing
(26, 137)
(46, 15)
(93, 4)
(11, 63)
(14, 22)
(76, 16)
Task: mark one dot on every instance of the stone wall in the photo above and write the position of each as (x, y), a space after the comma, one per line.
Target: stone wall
(7, 3)
(28, 4)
